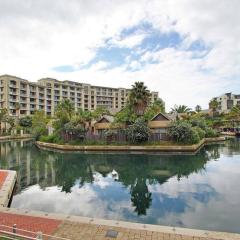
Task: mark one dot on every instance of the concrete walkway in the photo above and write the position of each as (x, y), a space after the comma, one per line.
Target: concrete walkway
(81, 228)
(7, 182)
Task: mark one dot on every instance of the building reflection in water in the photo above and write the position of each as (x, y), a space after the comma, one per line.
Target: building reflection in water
(134, 172)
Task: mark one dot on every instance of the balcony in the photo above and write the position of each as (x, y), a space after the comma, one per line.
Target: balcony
(13, 99)
(13, 92)
(23, 100)
(13, 85)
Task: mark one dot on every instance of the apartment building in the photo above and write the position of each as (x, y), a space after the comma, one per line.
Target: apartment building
(227, 101)
(22, 97)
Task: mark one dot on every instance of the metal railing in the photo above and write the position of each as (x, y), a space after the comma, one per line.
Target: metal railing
(12, 232)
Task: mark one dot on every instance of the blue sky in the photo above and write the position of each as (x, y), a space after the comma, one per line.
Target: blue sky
(187, 50)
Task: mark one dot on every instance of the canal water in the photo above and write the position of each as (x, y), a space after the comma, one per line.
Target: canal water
(196, 191)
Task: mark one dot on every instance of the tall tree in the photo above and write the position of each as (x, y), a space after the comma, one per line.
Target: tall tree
(139, 98)
(65, 109)
(235, 113)
(83, 117)
(39, 124)
(198, 108)
(213, 105)
(98, 112)
(180, 109)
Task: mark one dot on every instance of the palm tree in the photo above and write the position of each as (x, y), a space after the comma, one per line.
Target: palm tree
(235, 113)
(98, 112)
(180, 109)
(158, 106)
(139, 98)
(65, 109)
(83, 117)
(213, 105)
(198, 108)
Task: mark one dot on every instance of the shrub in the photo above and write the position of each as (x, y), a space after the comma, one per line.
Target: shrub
(200, 131)
(194, 138)
(75, 129)
(182, 131)
(25, 122)
(51, 139)
(211, 132)
(199, 122)
(138, 132)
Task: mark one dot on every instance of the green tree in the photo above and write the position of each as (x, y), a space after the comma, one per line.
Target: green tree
(25, 122)
(213, 105)
(138, 132)
(11, 121)
(3, 116)
(139, 98)
(126, 115)
(182, 132)
(155, 108)
(198, 108)
(65, 109)
(99, 112)
(235, 113)
(63, 114)
(85, 118)
(180, 109)
(39, 124)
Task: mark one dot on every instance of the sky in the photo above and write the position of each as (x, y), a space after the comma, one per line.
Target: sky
(187, 50)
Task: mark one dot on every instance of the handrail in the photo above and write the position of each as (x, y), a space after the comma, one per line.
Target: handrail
(14, 230)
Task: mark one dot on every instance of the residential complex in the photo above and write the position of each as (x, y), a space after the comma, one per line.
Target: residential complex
(22, 97)
(227, 101)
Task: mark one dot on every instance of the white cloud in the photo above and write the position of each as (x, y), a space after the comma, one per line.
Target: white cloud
(36, 36)
(127, 42)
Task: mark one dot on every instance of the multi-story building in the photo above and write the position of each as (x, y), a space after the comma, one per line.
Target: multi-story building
(227, 101)
(22, 97)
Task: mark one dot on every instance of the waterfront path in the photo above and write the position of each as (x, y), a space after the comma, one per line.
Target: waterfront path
(3, 176)
(81, 228)
(7, 183)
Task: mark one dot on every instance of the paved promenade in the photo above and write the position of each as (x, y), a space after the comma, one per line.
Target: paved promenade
(80, 228)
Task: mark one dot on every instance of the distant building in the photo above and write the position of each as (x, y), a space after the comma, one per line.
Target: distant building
(22, 97)
(227, 101)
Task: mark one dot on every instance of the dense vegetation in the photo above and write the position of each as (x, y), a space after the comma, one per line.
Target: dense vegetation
(189, 127)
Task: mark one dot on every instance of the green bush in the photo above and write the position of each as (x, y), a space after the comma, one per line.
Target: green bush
(138, 132)
(211, 133)
(199, 122)
(194, 138)
(51, 139)
(182, 132)
(200, 131)
(25, 122)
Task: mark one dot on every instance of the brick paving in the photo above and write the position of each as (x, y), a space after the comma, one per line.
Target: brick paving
(76, 230)
(84, 231)
(34, 224)
(3, 176)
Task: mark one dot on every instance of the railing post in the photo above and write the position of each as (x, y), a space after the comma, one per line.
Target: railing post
(39, 236)
(14, 229)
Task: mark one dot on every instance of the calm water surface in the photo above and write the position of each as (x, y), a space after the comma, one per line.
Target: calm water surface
(200, 191)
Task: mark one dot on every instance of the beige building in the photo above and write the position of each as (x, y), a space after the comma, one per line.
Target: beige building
(227, 101)
(22, 97)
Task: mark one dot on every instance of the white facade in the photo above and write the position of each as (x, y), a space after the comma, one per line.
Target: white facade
(227, 101)
(22, 97)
